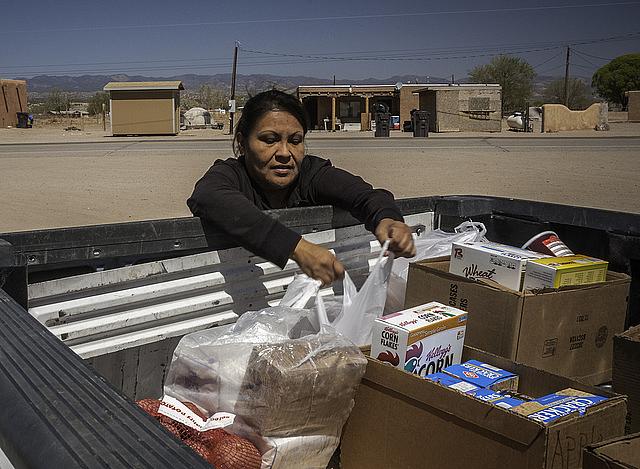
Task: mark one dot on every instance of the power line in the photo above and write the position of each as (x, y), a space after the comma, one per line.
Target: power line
(547, 61)
(551, 69)
(581, 66)
(579, 55)
(115, 63)
(208, 64)
(412, 53)
(626, 36)
(421, 58)
(594, 56)
(284, 62)
(329, 18)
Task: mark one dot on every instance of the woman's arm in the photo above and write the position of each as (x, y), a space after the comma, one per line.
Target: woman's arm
(376, 208)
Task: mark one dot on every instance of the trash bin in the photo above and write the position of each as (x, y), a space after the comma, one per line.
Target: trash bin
(23, 120)
(420, 123)
(382, 124)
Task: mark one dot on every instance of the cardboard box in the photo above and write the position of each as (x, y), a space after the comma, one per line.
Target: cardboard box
(402, 421)
(423, 339)
(567, 331)
(626, 373)
(491, 261)
(619, 453)
(556, 272)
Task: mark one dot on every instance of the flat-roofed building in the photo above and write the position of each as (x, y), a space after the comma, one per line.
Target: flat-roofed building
(144, 107)
(633, 106)
(462, 107)
(350, 107)
(13, 99)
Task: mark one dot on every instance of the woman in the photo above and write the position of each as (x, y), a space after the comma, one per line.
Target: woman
(272, 171)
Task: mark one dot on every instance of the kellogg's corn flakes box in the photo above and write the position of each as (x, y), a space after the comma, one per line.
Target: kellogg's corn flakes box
(423, 340)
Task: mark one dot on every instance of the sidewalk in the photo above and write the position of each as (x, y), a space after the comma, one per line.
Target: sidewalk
(38, 135)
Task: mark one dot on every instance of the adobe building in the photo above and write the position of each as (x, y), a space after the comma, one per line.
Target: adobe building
(351, 107)
(633, 106)
(462, 107)
(13, 99)
(144, 108)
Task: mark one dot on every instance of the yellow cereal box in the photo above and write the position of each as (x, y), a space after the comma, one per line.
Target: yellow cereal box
(556, 272)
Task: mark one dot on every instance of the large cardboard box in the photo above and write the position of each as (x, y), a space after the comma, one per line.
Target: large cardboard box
(403, 421)
(626, 373)
(568, 331)
(619, 453)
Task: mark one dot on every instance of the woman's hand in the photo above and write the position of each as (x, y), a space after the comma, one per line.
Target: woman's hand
(400, 236)
(317, 262)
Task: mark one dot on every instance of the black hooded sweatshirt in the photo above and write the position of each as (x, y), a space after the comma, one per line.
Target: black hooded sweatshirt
(229, 201)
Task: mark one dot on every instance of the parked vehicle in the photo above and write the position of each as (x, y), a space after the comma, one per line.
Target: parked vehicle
(70, 370)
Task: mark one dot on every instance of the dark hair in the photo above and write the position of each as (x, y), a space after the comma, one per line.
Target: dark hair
(259, 105)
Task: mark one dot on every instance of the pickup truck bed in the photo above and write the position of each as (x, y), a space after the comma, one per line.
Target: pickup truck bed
(69, 411)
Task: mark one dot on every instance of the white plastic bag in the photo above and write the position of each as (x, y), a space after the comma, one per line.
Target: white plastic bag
(361, 308)
(301, 292)
(354, 318)
(435, 243)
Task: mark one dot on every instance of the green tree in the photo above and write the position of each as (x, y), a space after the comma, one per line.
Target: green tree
(514, 74)
(57, 101)
(96, 101)
(580, 96)
(620, 75)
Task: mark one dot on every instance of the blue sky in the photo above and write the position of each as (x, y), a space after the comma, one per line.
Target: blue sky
(313, 38)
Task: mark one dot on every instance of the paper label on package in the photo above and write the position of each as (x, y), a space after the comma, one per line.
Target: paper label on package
(463, 386)
(219, 420)
(179, 412)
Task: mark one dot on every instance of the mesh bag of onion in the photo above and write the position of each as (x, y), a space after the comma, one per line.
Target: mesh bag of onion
(220, 448)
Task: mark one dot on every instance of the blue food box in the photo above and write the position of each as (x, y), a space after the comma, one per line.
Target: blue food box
(508, 402)
(484, 375)
(553, 406)
(501, 400)
(452, 382)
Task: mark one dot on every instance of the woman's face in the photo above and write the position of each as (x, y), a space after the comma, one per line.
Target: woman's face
(274, 150)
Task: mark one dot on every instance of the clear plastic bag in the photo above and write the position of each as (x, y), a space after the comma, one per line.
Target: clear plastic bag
(435, 243)
(272, 372)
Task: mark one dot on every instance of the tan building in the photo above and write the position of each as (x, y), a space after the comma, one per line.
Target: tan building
(633, 106)
(144, 108)
(350, 107)
(462, 107)
(13, 99)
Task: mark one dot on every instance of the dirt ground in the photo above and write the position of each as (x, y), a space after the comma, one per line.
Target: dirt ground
(56, 188)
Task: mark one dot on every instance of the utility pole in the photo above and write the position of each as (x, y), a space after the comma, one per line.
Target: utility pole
(334, 80)
(566, 79)
(232, 101)
(453, 80)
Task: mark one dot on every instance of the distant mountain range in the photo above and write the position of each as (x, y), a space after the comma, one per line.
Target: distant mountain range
(86, 85)
(93, 83)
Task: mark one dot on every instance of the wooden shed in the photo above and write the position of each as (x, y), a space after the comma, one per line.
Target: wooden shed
(13, 99)
(144, 107)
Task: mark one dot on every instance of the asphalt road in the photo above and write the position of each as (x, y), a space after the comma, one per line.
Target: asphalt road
(56, 185)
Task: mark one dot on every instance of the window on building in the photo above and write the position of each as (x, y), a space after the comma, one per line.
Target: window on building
(349, 109)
